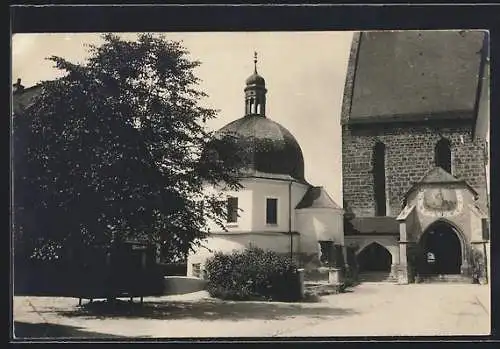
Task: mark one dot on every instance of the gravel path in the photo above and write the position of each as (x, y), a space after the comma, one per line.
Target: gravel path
(368, 310)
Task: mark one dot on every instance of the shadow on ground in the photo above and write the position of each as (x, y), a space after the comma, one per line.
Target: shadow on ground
(23, 330)
(206, 309)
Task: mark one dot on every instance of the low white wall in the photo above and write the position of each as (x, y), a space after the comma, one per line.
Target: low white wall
(252, 204)
(239, 241)
(321, 225)
(182, 284)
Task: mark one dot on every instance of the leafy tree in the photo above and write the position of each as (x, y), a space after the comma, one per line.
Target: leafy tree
(115, 149)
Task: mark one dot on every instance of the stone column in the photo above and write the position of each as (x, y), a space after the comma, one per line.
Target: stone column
(334, 276)
(465, 268)
(402, 273)
(394, 263)
(403, 277)
(394, 271)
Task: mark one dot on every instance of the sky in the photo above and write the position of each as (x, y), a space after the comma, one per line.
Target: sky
(304, 72)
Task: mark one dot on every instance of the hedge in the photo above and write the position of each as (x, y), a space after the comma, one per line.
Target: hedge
(253, 274)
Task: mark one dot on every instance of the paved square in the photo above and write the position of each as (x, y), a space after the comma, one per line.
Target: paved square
(369, 309)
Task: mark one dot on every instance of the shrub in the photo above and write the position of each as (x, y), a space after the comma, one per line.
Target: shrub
(253, 274)
(478, 266)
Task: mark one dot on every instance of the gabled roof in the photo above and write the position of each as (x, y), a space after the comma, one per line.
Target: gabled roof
(438, 175)
(373, 225)
(405, 212)
(413, 75)
(317, 197)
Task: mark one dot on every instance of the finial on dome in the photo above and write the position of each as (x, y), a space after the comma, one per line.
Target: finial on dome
(255, 61)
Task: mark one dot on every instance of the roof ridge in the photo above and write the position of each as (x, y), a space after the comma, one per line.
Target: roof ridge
(317, 197)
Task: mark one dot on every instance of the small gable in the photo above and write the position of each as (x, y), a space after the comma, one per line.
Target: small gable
(317, 197)
(438, 176)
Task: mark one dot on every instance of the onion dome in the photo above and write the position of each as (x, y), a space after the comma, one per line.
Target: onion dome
(266, 147)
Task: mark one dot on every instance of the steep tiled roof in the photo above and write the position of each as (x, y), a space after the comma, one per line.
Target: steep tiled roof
(414, 76)
(437, 175)
(373, 225)
(317, 197)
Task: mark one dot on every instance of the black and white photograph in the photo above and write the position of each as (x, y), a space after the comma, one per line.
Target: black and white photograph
(250, 184)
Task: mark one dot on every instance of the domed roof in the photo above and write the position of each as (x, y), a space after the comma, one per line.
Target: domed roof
(266, 146)
(255, 79)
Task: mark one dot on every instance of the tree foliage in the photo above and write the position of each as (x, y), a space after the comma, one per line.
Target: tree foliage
(114, 150)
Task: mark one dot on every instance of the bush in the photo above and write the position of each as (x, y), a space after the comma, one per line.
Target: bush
(253, 274)
(478, 266)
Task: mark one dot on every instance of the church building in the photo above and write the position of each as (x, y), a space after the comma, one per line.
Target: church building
(415, 182)
(414, 154)
(277, 208)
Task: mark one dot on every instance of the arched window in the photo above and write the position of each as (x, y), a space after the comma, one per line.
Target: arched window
(379, 178)
(442, 154)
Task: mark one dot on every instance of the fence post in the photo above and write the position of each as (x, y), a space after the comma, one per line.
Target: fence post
(300, 273)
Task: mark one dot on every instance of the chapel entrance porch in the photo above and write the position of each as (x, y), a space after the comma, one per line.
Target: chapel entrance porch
(440, 254)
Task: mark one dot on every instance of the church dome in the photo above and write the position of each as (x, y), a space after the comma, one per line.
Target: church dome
(267, 147)
(261, 147)
(255, 79)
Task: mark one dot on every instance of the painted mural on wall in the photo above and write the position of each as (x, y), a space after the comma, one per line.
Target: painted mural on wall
(440, 202)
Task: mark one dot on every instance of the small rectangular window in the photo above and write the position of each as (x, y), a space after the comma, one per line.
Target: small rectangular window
(271, 211)
(232, 209)
(196, 270)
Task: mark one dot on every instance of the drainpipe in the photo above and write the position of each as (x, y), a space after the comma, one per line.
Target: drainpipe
(290, 219)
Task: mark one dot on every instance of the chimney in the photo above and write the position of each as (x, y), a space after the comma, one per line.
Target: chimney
(18, 87)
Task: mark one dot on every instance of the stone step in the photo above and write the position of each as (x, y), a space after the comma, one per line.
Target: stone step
(321, 288)
(450, 278)
(376, 277)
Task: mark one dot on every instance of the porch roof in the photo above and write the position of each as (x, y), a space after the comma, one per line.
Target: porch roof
(373, 225)
(317, 197)
(437, 176)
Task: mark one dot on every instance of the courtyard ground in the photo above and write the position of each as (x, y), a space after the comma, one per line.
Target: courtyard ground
(370, 309)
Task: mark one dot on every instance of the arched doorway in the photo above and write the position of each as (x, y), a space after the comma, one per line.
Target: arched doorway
(374, 263)
(441, 250)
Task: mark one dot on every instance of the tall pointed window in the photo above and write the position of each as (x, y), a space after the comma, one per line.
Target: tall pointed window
(442, 154)
(232, 209)
(379, 178)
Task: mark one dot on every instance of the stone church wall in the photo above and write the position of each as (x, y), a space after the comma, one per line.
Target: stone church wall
(409, 154)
